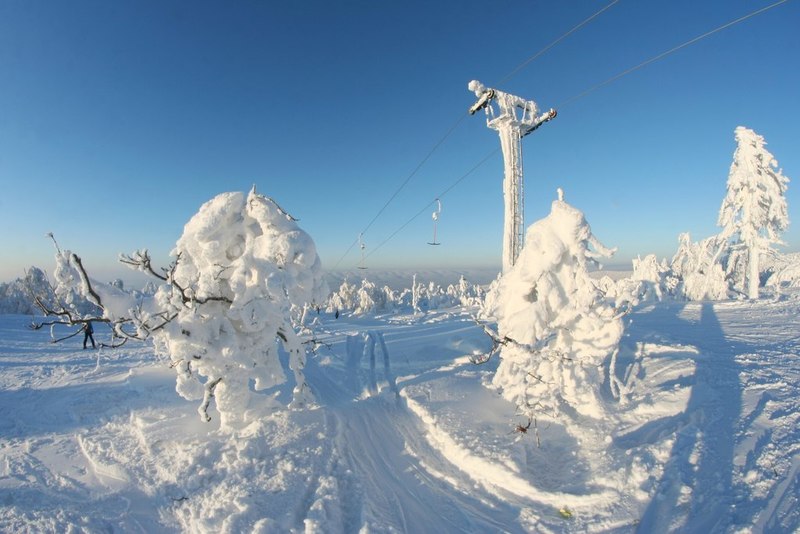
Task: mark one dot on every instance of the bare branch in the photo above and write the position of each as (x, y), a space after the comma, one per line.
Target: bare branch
(115, 345)
(316, 343)
(140, 260)
(75, 333)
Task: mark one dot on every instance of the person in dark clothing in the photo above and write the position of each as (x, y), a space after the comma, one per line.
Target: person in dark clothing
(87, 334)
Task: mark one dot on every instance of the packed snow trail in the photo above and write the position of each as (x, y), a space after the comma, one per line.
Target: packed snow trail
(459, 467)
(402, 483)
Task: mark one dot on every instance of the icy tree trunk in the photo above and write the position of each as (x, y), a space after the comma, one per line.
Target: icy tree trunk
(753, 278)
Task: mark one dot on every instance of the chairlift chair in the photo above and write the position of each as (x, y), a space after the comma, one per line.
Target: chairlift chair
(435, 217)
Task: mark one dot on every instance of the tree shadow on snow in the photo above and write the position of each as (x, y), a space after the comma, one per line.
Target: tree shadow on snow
(697, 481)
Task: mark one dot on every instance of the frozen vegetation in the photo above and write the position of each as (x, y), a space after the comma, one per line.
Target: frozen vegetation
(554, 399)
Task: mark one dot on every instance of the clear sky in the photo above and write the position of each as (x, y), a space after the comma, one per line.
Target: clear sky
(119, 119)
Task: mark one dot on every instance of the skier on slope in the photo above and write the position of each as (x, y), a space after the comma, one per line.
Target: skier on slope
(88, 330)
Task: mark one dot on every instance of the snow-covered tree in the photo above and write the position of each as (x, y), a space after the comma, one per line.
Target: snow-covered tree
(361, 300)
(342, 299)
(698, 270)
(650, 280)
(555, 328)
(249, 262)
(465, 294)
(783, 270)
(417, 299)
(18, 296)
(754, 212)
(223, 310)
(652, 273)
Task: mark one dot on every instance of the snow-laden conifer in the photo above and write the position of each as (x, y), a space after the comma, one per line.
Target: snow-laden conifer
(556, 329)
(754, 212)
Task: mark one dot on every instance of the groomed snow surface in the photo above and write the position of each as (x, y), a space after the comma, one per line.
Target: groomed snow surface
(411, 437)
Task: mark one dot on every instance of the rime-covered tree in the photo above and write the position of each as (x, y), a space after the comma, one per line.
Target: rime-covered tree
(555, 328)
(223, 308)
(17, 296)
(698, 268)
(753, 213)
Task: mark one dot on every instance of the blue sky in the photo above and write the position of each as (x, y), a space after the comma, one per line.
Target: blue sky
(119, 119)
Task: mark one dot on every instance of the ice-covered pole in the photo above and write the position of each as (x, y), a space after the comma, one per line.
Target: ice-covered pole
(513, 118)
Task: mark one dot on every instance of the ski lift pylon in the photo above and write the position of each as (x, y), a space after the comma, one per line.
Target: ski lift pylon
(435, 217)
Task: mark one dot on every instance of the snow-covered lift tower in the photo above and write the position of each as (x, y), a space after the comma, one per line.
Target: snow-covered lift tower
(513, 119)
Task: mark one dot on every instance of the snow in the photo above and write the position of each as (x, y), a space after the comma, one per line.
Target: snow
(554, 326)
(703, 438)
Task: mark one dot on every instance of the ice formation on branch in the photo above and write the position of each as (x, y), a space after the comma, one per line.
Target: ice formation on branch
(555, 328)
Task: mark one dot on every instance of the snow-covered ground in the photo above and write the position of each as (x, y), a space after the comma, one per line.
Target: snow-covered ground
(705, 437)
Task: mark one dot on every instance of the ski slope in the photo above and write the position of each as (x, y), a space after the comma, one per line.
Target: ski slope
(704, 438)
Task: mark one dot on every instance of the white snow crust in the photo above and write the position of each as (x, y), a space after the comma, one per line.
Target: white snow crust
(703, 438)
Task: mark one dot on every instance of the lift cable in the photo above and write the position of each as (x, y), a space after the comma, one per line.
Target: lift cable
(432, 202)
(402, 185)
(584, 93)
(668, 52)
(551, 45)
(458, 122)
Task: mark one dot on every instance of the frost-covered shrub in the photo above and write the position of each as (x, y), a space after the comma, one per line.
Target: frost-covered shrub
(343, 299)
(784, 271)
(223, 312)
(625, 292)
(698, 269)
(244, 263)
(374, 299)
(557, 327)
(653, 274)
(650, 280)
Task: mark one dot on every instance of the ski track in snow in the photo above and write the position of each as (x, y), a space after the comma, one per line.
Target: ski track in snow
(705, 437)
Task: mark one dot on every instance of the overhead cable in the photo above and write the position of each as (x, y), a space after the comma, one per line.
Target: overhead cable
(668, 52)
(458, 122)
